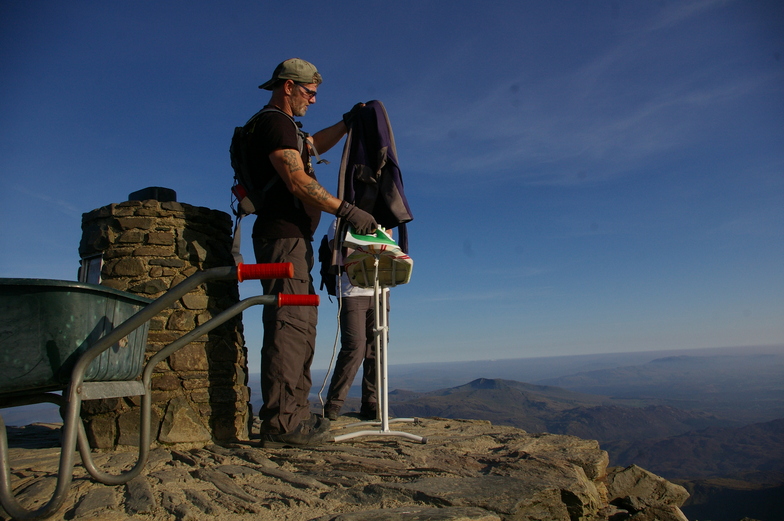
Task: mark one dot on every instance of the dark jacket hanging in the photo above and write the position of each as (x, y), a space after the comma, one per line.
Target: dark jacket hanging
(369, 172)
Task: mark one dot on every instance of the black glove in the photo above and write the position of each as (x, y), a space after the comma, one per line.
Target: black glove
(348, 117)
(363, 222)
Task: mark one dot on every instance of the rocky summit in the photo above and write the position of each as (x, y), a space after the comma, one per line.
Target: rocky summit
(467, 470)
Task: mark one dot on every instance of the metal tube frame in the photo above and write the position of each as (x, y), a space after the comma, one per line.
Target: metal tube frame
(74, 433)
(381, 337)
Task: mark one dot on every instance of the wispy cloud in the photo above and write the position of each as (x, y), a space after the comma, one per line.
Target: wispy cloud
(494, 292)
(633, 101)
(679, 12)
(53, 203)
(459, 296)
(761, 223)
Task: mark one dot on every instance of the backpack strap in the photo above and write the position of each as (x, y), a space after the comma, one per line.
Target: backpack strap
(302, 137)
(245, 205)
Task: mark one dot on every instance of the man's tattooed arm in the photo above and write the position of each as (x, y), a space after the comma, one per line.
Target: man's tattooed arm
(290, 168)
(292, 161)
(313, 188)
(317, 191)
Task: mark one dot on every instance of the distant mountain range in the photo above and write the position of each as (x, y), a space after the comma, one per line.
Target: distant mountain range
(731, 471)
(753, 453)
(666, 440)
(742, 386)
(538, 408)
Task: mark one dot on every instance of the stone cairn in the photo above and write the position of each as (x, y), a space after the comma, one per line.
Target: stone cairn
(148, 245)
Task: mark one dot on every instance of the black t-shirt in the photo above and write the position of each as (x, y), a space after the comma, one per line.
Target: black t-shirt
(282, 215)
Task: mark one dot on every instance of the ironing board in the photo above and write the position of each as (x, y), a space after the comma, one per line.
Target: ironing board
(369, 176)
(379, 263)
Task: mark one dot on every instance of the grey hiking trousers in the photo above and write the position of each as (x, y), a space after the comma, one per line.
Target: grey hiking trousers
(289, 337)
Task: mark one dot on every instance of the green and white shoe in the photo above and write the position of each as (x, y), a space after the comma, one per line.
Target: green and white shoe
(378, 243)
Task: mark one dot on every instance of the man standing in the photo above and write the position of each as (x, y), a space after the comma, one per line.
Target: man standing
(283, 232)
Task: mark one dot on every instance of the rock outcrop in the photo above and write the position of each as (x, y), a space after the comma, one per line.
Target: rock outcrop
(467, 470)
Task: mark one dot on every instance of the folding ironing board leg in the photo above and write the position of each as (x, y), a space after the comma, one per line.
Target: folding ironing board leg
(382, 387)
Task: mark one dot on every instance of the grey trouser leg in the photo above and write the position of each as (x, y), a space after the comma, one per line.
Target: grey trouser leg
(357, 348)
(289, 337)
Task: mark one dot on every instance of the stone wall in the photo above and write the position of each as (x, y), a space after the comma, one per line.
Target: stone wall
(200, 393)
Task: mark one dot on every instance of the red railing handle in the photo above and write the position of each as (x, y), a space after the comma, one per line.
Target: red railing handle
(298, 300)
(274, 270)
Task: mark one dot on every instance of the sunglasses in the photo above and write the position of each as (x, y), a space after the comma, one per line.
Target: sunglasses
(310, 93)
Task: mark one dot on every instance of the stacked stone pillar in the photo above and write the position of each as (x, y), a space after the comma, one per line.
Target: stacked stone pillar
(200, 393)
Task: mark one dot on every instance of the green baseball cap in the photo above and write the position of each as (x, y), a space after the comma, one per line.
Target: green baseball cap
(294, 69)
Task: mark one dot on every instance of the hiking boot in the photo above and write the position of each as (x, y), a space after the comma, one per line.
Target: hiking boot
(332, 411)
(317, 423)
(369, 411)
(309, 433)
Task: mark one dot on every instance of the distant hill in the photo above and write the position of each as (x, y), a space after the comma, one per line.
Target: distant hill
(746, 387)
(729, 471)
(753, 453)
(538, 408)
(673, 443)
(503, 402)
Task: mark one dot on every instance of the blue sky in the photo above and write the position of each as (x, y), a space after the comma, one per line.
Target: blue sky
(586, 177)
